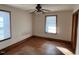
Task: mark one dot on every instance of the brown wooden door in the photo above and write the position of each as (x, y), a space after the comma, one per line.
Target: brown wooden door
(74, 31)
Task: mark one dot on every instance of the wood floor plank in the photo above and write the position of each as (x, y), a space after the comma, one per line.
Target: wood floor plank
(40, 46)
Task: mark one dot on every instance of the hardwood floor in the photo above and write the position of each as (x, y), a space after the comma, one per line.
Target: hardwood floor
(40, 46)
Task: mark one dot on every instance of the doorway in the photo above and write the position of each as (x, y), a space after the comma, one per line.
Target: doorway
(74, 30)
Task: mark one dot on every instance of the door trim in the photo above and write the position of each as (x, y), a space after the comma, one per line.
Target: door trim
(74, 30)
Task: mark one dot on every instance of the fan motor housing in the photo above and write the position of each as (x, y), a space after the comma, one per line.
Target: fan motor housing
(38, 7)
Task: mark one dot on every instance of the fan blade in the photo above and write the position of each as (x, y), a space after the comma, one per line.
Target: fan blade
(33, 12)
(46, 10)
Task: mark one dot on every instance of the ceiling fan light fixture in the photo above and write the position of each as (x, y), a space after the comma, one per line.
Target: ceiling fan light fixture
(39, 10)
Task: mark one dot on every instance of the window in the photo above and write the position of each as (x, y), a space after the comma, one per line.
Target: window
(4, 25)
(51, 24)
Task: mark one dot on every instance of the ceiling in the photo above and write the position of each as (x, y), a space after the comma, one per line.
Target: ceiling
(52, 7)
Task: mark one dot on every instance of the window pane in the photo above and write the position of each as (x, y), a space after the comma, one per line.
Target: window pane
(1, 28)
(4, 25)
(51, 24)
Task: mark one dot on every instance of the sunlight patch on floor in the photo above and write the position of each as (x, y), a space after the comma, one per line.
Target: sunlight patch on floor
(65, 50)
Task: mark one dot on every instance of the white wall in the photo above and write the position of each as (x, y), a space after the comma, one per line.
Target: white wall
(64, 22)
(21, 25)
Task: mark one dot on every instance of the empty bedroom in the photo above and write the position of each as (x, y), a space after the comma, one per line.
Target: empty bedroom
(39, 29)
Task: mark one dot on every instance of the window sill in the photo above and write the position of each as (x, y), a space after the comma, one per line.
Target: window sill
(50, 33)
(5, 39)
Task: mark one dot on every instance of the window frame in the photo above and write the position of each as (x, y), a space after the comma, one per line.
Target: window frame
(10, 25)
(45, 24)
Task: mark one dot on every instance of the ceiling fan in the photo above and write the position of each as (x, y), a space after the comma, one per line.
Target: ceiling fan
(39, 9)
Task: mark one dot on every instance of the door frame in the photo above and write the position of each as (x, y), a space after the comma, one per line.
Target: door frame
(74, 30)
